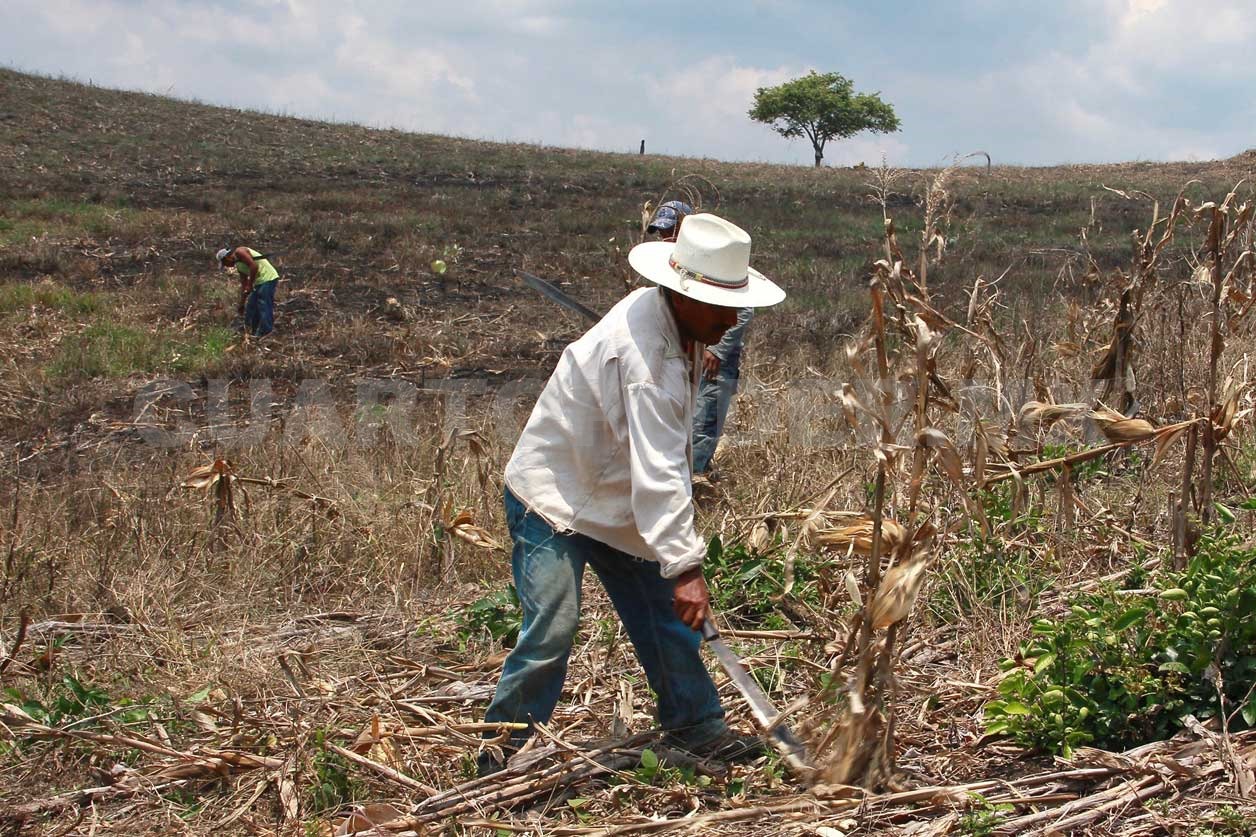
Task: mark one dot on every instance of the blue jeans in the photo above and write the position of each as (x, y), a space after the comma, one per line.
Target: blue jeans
(710, 409)
(259, 309)
(548, 568)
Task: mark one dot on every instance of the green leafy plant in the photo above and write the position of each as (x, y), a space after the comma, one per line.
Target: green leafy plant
(747, 585)
(67, 701)
(651, 771)
(1225, 821)
(1080, 472)
(1118, 671)
(333, 785)
(497, 615)
(983, 818)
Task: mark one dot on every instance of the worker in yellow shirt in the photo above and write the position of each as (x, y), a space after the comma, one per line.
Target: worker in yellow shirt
(258, 278)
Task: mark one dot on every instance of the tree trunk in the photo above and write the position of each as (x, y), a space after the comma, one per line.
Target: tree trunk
(819, 157)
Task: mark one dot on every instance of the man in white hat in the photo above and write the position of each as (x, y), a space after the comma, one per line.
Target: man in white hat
(258, 278)
(601, 477)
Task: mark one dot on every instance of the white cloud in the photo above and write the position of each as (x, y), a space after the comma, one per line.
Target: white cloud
(1136, 10)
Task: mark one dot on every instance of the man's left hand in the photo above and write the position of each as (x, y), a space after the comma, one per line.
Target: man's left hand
(710, 365)
(691, 599)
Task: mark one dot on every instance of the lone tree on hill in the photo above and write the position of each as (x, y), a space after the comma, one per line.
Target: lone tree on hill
(821, 106)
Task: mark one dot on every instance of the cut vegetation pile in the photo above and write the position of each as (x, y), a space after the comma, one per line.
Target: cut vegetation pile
(984, 526)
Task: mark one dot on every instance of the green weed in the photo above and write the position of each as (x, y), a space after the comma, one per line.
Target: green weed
(651, 771)
(333, 786)
(496, 615)
(1226, 821)
(60, 217)
(985, 575)
(70, 701)
(22, 296)
(112, 350)
(984, 818)
(746, 585)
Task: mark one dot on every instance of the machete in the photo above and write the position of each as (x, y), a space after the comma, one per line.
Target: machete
(550, 290)
(792, 750)
(782, 738)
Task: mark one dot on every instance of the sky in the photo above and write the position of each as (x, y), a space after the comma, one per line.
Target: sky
(1029, 82)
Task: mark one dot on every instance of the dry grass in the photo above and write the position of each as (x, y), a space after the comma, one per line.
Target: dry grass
(237, 637)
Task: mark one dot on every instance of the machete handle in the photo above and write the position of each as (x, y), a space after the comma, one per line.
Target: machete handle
(709, 631)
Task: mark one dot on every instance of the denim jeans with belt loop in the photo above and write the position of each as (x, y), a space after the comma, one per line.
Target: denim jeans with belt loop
(548, 567)
(259, 309)
(711, 409)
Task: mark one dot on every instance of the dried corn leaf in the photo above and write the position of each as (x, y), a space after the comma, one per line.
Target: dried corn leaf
(207, 476)
(368, 818)
(1044, 415)
(1117, 428)
(857, 537)
(1223, 414)
(852, 588)
(1164, 441)
(760, 537)
(926, 340)
(947, 454)
(897, 594)
(463, 526)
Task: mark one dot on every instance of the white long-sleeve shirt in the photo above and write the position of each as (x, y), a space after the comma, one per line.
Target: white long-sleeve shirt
(605, 452)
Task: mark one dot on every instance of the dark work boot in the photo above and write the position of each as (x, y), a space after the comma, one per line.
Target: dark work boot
(728, 747)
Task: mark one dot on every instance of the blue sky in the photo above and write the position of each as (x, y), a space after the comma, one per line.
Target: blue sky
(1031, 83)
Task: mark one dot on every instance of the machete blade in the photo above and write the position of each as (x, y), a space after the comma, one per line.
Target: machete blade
(792, 750)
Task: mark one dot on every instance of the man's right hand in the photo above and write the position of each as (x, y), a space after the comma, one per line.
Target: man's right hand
(691, 599)
(710, 365)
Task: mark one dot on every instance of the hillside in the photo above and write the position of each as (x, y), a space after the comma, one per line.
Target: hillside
(241, 564)
(121, 199)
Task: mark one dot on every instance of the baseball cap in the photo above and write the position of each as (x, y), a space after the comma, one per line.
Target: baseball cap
(668, 215)
(222, 254)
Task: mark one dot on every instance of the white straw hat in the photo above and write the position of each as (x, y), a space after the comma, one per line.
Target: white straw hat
(709, 262)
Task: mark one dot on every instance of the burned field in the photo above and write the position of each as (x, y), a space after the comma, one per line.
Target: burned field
(983, 523)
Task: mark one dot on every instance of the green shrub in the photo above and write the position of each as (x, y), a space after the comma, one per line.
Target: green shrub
(498, 615)
(1119, 671)
(70, 701)
(984, 818)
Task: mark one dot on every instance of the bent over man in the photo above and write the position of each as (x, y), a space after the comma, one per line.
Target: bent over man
(257, 287)
(600, 477)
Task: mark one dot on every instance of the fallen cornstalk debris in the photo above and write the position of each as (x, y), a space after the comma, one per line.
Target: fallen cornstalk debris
(515, 786)
(175, 768)
(1096, 784)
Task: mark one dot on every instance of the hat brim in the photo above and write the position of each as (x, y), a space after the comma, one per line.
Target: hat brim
(651, 259)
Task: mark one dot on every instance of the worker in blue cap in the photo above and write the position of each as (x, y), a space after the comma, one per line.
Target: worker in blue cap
(721, 363)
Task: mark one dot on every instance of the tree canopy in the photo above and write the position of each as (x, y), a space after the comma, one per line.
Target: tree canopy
(821, 107)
